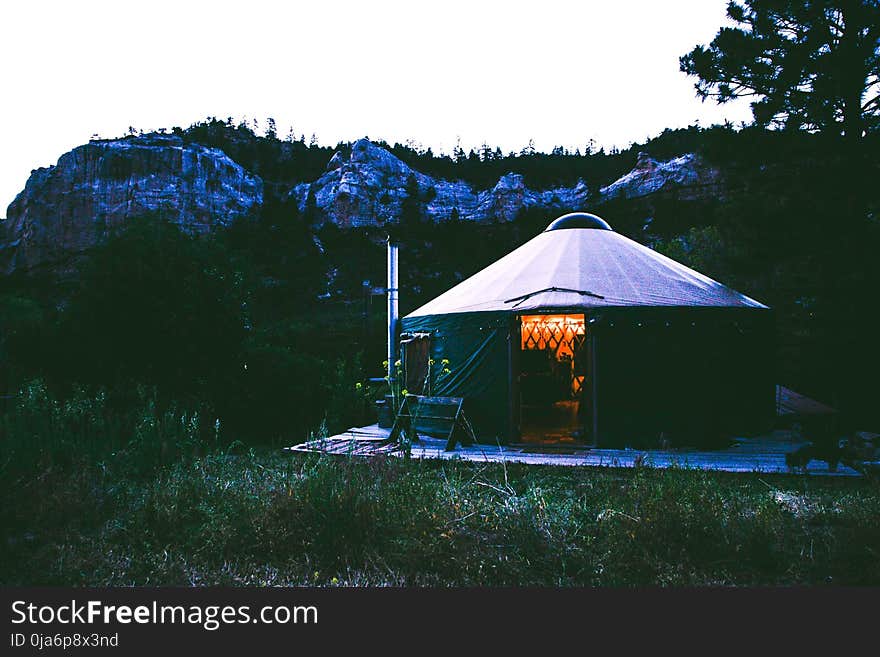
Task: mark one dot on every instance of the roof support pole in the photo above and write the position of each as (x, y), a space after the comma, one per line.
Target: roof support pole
(514, 340)
(594, 386)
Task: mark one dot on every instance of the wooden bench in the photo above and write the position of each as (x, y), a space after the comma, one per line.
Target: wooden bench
(438, 416)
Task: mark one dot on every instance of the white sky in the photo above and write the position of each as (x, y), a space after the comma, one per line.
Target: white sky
(560, 73)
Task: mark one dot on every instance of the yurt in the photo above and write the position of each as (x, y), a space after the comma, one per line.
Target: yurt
(584, 335)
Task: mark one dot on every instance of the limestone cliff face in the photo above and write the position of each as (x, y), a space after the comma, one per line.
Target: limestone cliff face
(67, 208)
(369, 187)
(95, 188)
(686, 176)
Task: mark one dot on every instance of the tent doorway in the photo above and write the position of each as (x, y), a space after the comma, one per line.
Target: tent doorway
(554, 379)
(415, 350)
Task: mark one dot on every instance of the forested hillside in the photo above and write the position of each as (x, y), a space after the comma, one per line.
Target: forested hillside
(280, 289)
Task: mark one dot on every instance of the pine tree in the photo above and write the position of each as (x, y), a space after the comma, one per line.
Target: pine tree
(812, 64)
(310, 212)
(411, 205)
(458, 153)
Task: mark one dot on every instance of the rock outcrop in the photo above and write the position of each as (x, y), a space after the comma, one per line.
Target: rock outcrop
(70, 207)
(687, 176)
(369, 187)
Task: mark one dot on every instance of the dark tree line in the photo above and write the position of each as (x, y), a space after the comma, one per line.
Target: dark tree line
(290, 161)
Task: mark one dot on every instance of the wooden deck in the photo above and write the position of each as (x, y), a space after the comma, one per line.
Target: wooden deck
(764, 454)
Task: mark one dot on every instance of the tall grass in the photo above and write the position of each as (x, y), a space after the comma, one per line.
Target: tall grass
(42, 431)
(265, 519)
(101, 491)
(67, 462)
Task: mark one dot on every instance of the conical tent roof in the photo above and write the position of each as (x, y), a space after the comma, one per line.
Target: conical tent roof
(579, 262)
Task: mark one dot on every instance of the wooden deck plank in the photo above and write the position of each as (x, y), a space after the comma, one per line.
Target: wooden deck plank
(765, 454)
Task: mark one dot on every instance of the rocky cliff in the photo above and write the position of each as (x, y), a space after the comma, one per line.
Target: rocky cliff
(688, 176)
(67, 208)
(368, 186)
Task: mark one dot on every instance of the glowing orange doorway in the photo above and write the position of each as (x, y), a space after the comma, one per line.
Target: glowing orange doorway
(553, 379)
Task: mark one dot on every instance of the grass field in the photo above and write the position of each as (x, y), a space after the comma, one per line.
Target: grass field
(264, 518)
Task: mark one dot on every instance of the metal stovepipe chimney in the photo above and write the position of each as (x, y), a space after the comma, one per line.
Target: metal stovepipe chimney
(392, 307)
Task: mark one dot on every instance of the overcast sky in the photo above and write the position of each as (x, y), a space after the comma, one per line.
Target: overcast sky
(560, 73)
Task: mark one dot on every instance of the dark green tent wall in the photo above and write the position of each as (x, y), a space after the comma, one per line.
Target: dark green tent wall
(696, 375)
(476, 346)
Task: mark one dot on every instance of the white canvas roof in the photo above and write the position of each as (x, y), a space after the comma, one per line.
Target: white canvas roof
(586, 268)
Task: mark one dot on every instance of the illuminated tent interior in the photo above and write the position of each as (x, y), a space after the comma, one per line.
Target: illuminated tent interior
(583, 335)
